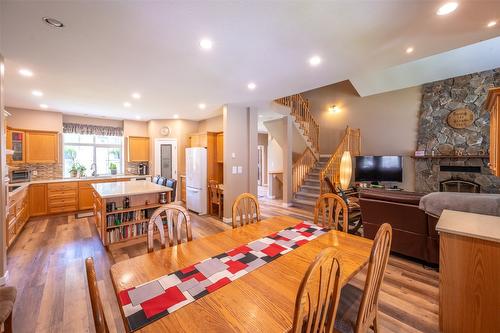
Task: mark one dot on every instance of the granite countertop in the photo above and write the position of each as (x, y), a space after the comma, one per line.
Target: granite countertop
(120, 189)
(69, 179)
(486, 227)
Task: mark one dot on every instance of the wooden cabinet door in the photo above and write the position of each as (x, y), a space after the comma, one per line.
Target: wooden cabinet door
(493, 106)
(220, 148)
(16, 141)
(138, 149)
(42, 147)
(38, 199)
(85, 197)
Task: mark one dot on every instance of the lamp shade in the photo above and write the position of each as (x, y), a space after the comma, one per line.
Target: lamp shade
(345, 170)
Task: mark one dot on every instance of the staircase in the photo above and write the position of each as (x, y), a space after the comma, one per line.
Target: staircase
(310, 189)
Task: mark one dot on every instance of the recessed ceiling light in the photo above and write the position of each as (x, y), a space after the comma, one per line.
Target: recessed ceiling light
(447, 8)
(491, 24)
(53, 22)
(176, 116)
(127, 104)
(37, 93)
(25, 72)
(44, 106)
(251, 86)
(202, 106)
(314, 61)
(136, 95)
(206, 44)
(409, 50)
(137, 117)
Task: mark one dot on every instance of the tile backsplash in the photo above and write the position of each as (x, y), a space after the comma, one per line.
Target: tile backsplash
(43, 171)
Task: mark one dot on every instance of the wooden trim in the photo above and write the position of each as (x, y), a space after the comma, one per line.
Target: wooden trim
(301, 168)
(490, 100)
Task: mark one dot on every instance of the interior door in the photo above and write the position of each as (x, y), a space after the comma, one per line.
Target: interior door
(165, 158)
(166, 150)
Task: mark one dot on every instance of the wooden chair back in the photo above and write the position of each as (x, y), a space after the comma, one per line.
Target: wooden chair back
(214, 192)
(319, 293)
(245, 210)
(176, 218)
(97, 311)
(368, 308)
(328, 209)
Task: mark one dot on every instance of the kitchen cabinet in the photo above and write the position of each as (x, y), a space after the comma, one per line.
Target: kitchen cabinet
(17, 215)
(62, 197)
(16, 141)
(38, 199)
(138, 149)
(42, 147)
(493, 106)
(220, 148)
(183, 188)
(85, 190)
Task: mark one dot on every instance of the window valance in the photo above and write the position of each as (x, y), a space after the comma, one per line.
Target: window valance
(92, 129)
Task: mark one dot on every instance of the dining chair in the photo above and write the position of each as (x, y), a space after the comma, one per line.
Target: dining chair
(245, 210)
(366, 302)
(329, 208)
(318, 296)
(95, 300)
(155, 179)
(354, 216)
(172, 183)
(162, 181)
(176, 218)
(214, 197)
(7, 300)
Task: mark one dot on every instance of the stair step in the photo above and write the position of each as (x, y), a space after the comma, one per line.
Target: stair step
(305, 204)
(306, 195)
(310, 189)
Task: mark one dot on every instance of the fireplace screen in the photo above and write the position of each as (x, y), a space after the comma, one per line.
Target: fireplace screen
(458, 185)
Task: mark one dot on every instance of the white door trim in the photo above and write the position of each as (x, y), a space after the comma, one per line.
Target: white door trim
(158, 143)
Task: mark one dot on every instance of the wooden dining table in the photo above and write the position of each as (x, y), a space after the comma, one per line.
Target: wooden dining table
(261, 301)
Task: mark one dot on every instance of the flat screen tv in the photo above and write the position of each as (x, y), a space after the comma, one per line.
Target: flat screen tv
(379, 169)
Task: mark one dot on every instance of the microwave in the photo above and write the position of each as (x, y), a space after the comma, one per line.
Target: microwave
(20, 176)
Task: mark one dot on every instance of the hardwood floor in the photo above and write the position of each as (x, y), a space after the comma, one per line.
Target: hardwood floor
(46, 264)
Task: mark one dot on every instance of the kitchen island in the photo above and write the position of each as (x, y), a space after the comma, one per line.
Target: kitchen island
(122, 209)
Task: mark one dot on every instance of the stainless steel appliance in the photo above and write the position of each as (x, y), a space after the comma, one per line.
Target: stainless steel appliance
(20, 175)
(142, 169)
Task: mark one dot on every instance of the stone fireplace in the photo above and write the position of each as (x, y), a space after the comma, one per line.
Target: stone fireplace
(455, 153)
(459, 185)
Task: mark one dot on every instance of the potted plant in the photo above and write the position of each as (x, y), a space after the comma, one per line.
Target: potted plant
(73, 172)
(112, 168)
(81, 170)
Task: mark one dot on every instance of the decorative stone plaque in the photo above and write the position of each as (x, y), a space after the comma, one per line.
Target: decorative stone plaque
(460, 118)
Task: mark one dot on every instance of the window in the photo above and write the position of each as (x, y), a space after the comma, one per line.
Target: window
(86, 149)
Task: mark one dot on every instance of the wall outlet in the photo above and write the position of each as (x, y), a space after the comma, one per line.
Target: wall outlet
(34, 173)
(233, 155)
(235, 170)
(240, 169)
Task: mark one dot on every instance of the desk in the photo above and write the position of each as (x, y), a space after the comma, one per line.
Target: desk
(261, 301)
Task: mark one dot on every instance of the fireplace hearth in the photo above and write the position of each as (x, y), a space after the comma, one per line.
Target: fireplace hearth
(459, 185)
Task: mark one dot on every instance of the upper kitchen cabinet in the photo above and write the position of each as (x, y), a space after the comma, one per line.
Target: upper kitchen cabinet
(42, 147)
(493, 106)
(16, 141)
(138, 149)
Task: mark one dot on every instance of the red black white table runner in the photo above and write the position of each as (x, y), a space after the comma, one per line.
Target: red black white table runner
(152, 300)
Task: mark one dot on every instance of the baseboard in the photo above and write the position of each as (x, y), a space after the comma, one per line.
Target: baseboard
(85, 214)
(287, 204)
(228, 220)
(272, 197)
(4, 278)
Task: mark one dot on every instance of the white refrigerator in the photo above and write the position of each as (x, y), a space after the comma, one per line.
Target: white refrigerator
(196, 180)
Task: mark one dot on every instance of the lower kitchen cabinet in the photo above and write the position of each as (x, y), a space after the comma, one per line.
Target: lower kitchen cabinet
(17, 215)
(38, 199)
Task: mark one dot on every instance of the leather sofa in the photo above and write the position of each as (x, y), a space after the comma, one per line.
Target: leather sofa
(413, 231)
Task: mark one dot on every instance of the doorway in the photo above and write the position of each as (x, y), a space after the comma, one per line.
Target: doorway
(166, 158)
(260, 166)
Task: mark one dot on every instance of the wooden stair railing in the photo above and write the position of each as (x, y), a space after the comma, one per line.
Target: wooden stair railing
(302, 167)
(351, 141)
(300, 110)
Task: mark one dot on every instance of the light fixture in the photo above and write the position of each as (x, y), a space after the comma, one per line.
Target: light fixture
(44, 106)
(333, 109)
(176, 116)
(345, 170)
(206, 44)
(136, 95)
(447, 8)
(409, 50)
(491, 24)
(25, 72)
(202, 106)
(53, 22)
(37, 93)
(127, 104)
(314, 61)
(252, 86)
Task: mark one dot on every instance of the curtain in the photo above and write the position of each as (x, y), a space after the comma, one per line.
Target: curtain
(92, 129)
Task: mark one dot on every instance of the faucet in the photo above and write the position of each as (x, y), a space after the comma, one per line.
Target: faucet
(93, 167)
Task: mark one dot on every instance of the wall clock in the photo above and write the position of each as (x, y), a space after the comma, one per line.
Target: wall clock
(165, 131)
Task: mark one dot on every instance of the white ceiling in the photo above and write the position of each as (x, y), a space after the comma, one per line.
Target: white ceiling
(109, 49)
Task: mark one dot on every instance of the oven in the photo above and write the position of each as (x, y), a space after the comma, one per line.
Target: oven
(20, 176)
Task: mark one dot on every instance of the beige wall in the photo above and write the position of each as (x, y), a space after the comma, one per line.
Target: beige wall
(214, 124)
(35, 119)
(388, 121)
